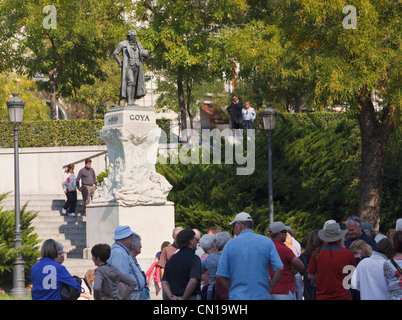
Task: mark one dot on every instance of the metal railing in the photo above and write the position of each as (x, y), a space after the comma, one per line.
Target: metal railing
(83, 159)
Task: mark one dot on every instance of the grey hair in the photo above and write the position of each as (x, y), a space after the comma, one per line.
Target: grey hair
(350, 220)
(175, 231)
(221, 238)
(206, 241)
(136, 240)
(59, 246)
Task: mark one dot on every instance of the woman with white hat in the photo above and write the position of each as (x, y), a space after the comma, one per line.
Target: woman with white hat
(327, 265)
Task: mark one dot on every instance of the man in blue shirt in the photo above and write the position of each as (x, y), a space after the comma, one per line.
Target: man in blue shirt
(121, 259)
(243, 266)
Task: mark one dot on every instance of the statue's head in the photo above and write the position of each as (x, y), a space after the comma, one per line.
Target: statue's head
(132, 35)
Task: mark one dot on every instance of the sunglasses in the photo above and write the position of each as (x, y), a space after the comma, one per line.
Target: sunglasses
(354, 218)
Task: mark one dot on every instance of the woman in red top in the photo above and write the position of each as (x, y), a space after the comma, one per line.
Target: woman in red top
(330, 265)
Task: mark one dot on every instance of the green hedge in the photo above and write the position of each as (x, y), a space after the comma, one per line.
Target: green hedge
(61, 133)
(52, 133)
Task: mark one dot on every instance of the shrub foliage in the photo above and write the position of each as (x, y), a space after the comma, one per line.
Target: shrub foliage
(316, 170)
(8, 254)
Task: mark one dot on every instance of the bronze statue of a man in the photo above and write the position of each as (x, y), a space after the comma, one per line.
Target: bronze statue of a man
(132, 72)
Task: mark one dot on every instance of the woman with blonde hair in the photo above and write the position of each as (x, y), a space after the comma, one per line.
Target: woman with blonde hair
(48, 276)
(360, 250)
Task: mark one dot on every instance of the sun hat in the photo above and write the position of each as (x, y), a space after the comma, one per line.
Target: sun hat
(241, 217)
(327, 223)
(332, 233)
(278, 226)
(122, 232)
(368, 226)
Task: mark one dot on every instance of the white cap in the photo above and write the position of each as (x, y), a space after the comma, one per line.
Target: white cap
(398, 224)
(241, 217)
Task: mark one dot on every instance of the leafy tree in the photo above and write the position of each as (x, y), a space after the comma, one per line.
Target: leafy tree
(391, 204)
(350, 65)
(214, 89)
(301, 49)
(182, 39)
(68, 43)
(34, 108)
(102, 93)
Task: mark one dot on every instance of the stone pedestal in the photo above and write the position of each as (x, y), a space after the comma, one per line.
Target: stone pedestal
(132, 138)
(133, 194)
(154, 224)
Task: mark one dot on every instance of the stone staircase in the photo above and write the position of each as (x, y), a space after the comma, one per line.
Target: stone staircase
(69, 231)
(51, 224)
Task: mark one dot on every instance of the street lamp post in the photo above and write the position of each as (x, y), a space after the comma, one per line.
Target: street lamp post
(16, 113)
(269, 120)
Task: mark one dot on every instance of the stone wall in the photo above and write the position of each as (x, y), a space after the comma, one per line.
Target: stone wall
(41, 169)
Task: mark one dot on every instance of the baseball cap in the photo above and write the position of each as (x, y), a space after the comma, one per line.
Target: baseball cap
(277, 226)
(241, 217)
(368, 226)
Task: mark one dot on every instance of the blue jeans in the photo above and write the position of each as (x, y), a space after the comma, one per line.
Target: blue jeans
(290, 296)
(247, 124)
(71, 201)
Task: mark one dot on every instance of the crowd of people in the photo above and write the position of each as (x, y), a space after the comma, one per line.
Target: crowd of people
(350, 262)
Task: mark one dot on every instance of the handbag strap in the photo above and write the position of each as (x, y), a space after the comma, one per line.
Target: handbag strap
(88, 286)
(135, 275)
(396, 266)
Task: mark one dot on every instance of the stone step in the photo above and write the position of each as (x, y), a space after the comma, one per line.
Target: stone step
(67, 226)
(69, 231)
(78, 267)
(51, 224)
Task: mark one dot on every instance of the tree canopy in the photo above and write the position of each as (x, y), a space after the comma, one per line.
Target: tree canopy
(67, 41)
(303, 52)
(183, 39)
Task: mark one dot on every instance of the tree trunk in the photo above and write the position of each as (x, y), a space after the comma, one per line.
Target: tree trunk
(375, 133)
(53, 100)
(182, 102)
(298, 100)
(189, 87)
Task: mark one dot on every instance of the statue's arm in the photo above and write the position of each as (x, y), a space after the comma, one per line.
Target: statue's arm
(116, 54)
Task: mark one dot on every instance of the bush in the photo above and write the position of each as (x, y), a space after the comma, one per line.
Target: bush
(52, 133)
(60, 133)
(316, 174)
(30, 252)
